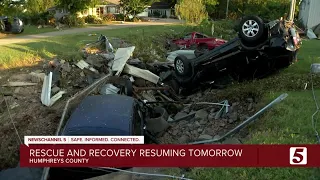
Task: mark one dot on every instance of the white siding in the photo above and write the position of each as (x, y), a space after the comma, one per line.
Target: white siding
(144, 13)
(310, 13)
(314, 14)
(304, 11)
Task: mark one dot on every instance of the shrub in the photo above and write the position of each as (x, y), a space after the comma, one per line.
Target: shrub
(72, 20)
(93, 19)
(164, 16)
(108, 17)
(136, 19)
(97, 21)
(119, 17)
(45, 18)
(80, 21)
(90, 19)
(193, 11)
(41, 22)
(52, 21)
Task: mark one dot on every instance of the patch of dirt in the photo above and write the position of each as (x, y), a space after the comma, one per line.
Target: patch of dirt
(29, 115)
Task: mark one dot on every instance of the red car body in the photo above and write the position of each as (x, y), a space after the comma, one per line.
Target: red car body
(200, 40)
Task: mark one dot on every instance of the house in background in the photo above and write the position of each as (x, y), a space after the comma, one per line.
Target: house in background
(58, 12)
(161, 9)
(309, 13)
(113, 7)
(105, 7)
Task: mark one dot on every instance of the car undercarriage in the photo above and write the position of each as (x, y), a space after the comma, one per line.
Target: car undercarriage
(252, 54)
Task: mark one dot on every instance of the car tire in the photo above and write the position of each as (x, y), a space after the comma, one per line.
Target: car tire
(251, 28)
(182, 66)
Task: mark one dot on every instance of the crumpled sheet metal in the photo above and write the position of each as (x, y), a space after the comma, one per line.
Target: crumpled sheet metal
(46, 89)
(46, 98)
(141, 73)
(120, 59)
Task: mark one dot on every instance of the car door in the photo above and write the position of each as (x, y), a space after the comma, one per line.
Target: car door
(185, 41)
(199, 38)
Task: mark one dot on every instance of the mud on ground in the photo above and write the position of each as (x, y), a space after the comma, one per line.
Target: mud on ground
(29, 115)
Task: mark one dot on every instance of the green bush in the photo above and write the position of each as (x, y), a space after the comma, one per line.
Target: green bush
(108, 17)
(119, 17)
(41, 22)
(37, 19)
(72, 20)
(90, 19)
(136, 19)
(80, 21)
(271, 9)
(93, 20)
(97, 21)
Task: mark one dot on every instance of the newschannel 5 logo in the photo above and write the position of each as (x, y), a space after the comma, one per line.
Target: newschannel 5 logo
(298, 156)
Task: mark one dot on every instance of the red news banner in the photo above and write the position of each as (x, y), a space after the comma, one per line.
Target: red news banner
(92, 155)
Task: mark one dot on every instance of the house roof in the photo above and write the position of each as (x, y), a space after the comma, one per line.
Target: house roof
(160, 5)
(114, 2)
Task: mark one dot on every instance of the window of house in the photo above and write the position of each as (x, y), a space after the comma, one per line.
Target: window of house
(98, 11)
(117, 9)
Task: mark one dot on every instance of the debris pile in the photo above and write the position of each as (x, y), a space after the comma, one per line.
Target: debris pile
(174, 119)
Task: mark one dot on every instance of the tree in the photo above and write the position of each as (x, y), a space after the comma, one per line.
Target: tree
(172, 3)
(211, 6)
(93, 3)
(74, 6)
(135, 7)
(11, 7)
(193, 11)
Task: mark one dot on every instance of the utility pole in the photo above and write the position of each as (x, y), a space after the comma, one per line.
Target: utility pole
(227, 10)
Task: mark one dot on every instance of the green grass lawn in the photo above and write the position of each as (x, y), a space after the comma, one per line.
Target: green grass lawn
(30, 29)
(68, 46)
(287, 123)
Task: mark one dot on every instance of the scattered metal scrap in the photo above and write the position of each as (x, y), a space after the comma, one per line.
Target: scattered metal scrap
(244, 123)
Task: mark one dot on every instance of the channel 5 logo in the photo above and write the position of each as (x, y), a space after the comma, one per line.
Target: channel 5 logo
(298, 155)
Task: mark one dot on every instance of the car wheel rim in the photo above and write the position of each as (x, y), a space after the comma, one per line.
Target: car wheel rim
(179, 66)
(250, 28)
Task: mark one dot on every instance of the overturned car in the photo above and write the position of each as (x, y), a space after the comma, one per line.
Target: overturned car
(260, 48)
